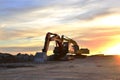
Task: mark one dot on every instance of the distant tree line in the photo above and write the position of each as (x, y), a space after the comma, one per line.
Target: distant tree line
(9, 58)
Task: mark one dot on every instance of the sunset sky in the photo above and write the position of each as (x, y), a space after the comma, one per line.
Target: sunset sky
(94, 24)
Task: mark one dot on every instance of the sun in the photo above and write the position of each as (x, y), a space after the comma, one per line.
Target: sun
(115, 50)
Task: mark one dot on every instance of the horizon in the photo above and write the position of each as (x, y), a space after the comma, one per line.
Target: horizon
(93, 24)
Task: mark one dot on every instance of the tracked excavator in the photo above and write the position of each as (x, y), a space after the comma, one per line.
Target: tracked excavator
(71, 43)
(76, 50)
(61, 48)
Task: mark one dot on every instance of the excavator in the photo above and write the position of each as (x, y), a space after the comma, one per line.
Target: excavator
(60, 49)
(78, 52)
(73, 43)
(62, 46)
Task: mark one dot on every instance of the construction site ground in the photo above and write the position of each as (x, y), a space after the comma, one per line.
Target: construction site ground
(91, 68)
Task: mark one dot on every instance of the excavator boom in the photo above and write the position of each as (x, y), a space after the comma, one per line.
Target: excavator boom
(59, 52)
(51, 37)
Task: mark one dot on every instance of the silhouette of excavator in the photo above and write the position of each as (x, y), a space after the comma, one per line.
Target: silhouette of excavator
(62, 46)
(78, 52)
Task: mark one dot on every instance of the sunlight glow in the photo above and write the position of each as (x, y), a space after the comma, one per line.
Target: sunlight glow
(115, 50)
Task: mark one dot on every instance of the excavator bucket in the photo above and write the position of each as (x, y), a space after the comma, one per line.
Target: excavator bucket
(40, 57)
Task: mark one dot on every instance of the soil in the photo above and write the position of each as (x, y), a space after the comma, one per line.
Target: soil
(90, 68)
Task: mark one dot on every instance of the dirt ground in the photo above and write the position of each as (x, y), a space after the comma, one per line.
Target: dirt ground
(78, 69)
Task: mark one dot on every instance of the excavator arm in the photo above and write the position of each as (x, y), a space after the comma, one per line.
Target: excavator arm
(51, 37)
(58, 50)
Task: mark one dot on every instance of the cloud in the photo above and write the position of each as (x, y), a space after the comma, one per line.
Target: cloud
(55, 12)
(92, 38)
(26, 22)
(88, 10)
